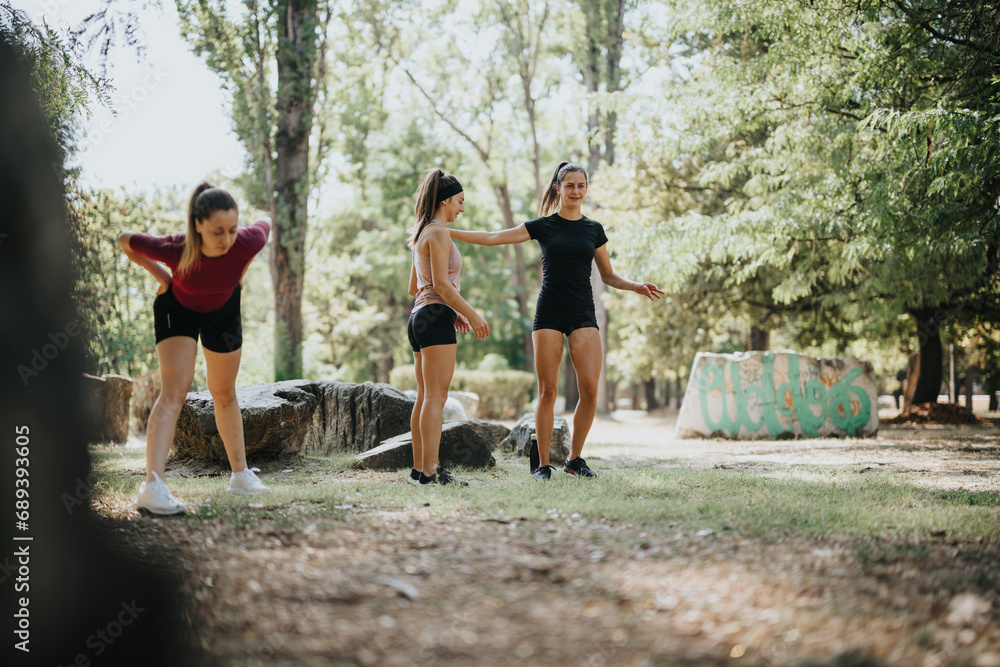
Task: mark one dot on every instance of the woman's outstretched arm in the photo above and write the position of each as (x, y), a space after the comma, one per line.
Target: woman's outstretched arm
(517, 234)
(612, 279)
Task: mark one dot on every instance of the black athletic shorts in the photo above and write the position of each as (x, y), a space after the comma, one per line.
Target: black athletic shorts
(433, 324)
(565, 321)
(221, 330)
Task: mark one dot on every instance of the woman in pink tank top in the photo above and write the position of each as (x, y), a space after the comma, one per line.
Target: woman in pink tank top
(198, 297)
(439, 310)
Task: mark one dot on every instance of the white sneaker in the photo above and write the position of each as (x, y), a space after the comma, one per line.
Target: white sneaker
(246, 483)
(156, 498)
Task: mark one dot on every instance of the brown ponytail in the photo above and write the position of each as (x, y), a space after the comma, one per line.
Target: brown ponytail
(550, 198)
(205, 201)
(426, 201)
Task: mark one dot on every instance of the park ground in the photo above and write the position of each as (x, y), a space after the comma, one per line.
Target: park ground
(880, 551)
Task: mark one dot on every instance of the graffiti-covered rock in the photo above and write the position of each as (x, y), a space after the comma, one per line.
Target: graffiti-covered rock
(765, 395)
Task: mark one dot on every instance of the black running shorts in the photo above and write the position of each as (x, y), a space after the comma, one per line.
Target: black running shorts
(221, 330)
(565, 321)
(433, 324)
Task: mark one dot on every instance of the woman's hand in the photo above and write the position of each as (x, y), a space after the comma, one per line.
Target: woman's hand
(164, 286)
(462, 325)
(479, 325)
(648, 290)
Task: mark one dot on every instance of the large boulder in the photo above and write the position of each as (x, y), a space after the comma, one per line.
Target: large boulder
(493, 434)
(767, 395)
(454, 405)
(469, 401)
(461, 445)
(106, 403)
(519, 439)
(278, 420)
(358, 417)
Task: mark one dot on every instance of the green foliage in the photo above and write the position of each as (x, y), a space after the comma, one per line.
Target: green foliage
(114, 296)
(54, 65)
(818, 169)
(503, 394)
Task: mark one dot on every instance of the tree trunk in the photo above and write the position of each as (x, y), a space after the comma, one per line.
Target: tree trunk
(650, 387)
(666, 392)
(570, 390)
(912, 371)
(930, 368)
(616, 40)
(602, 323)
(386, 364)
(760, 339)
(297, 50)
(991, 389)
(680, 392)
(970, 377)
(520, 275)
(591, 76)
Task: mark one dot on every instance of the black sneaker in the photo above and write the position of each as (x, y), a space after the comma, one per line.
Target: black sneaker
(543, 473)
(445, 477)
(414, 477)
(425, 480)
(578, 467)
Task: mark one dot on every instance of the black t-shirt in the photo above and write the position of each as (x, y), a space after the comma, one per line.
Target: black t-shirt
(567, 253)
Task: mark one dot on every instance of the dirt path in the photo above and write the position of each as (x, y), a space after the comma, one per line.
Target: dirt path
(415, 587)
(938, 457)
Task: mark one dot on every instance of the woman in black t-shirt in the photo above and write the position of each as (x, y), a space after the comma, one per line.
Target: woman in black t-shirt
(570, 241)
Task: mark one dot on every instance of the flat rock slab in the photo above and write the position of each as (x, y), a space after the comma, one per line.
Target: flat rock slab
(768, 395)
(461, 445)
(358, 417)
(519, 439)
(278, 420)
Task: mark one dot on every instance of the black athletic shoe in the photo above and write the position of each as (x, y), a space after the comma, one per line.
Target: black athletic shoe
(543, 473)
(425, 480)
(414, 477)
(578, 467)
(445, 477)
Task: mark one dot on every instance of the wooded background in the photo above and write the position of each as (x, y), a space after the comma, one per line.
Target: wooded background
(818, 175)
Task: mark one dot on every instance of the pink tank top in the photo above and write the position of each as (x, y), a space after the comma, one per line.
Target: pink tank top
(425, 287)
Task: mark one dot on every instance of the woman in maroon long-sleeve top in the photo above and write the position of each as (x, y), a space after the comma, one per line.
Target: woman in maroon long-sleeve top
(199, 295)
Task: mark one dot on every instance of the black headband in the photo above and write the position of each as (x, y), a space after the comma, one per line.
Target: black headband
(449, 190)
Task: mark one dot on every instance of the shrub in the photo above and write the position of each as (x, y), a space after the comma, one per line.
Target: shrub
(502, 394)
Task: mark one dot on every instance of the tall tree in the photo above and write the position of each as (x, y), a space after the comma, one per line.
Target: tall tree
(861, 143)
(598, 57)
(275, 124)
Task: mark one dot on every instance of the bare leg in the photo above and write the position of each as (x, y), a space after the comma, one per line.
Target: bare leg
(585, 353)
(176, 356)
(222, 368)
(548, 345)
(418, 443)
(437, 368)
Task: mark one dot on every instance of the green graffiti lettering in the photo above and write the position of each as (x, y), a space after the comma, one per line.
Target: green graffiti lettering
(711, 378)
(840, 404)
(770, 399)
(834, 403)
